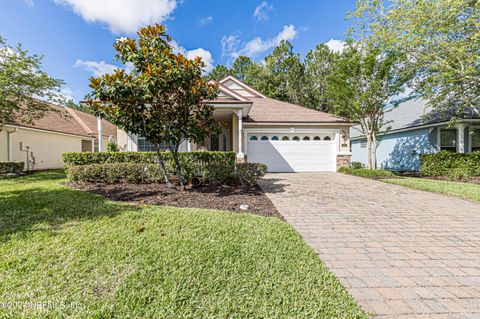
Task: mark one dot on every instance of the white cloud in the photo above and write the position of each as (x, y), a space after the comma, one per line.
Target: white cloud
(29, 3)
(97, 68)
(202, 22)
(206, 55)
(261, 11)
(335, 45)
(231, 44)
(122, 16)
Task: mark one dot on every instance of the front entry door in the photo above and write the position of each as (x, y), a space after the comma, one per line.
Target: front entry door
(220, 142)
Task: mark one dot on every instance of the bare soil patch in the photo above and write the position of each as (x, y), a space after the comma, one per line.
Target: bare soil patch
(221, 197)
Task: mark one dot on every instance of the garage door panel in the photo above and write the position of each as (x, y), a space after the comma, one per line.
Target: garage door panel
(293, 156)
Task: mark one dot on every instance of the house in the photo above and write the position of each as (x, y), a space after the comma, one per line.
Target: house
(413, 129)
(41, 144)
(286, 137)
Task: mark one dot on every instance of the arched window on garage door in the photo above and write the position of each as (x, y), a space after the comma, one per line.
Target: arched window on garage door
(274, 138)
(317, 138)
(253, 138)
(327, 138)
(296, 138)
(285, 138)
(306, 138)
(264, 138)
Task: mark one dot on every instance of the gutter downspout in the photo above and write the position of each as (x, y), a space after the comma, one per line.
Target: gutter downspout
(9, 144)
(99, 127)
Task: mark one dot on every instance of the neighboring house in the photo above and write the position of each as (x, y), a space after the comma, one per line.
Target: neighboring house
(286, 137)
(412, 131)
(41, 144)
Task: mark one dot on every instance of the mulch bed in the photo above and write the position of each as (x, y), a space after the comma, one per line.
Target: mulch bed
(221, 197)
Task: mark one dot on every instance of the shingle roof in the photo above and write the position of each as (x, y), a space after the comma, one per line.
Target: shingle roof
(271, 110)
(409, 114)
(61, 120)
(108, 129)
(268, 110)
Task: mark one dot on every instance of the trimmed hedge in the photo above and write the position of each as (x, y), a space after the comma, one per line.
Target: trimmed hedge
(452, 165)
(245, 175)
(116, 173)
(368, 173)
(200, 157)
(11, 167)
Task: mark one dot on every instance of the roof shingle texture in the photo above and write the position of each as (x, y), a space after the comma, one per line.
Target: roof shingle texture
(271, 110)
(108, 129)
(60, 120)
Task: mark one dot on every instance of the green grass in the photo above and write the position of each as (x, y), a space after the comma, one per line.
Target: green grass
(86, 257)
(367, 173)
(463, 190)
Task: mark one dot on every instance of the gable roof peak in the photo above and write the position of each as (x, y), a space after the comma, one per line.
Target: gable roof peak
(243, 85)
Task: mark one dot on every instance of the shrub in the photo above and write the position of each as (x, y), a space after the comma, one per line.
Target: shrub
(213, 167)
(368, 173)
(452, 165)
(112, 146)
(248, 174)
(201, 157)
(116, 173)
(458, 174)
(11, 167)
(218, 173)
(356, 165)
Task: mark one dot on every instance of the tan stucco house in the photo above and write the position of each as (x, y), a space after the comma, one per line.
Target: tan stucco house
(286, 137)
(41, 144)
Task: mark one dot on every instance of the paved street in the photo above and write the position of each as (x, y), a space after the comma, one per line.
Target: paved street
(400, 253)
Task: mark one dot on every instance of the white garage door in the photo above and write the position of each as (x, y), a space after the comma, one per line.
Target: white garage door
(293, 152)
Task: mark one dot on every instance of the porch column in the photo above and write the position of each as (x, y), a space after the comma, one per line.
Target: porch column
(99, 127)
(240, 154)
(189, 146)
(245, 138)
(461, 138)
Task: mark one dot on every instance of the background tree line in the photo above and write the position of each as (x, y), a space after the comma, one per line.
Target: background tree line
(283, 75)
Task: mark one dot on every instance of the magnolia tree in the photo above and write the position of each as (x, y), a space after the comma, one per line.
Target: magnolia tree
(364, 81)
(24, 87)
(161, 99)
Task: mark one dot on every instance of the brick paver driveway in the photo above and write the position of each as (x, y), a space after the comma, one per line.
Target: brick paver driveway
(401, 253)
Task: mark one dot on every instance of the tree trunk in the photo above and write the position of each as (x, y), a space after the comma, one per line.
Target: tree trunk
(178, 167)
(372, 150)
(162, 164)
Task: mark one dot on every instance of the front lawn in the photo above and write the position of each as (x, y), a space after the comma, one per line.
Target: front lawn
(464, 190)
(69, 253)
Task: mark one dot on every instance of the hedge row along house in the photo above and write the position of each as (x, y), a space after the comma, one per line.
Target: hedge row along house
(413, 129)
(40, 145)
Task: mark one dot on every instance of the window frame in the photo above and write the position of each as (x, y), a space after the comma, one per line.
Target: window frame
(442, 147)
(475, 129)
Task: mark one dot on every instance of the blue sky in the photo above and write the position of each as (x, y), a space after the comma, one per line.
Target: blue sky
(76, 36)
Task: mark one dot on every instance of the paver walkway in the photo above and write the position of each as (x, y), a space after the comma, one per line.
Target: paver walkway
(400, 253)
